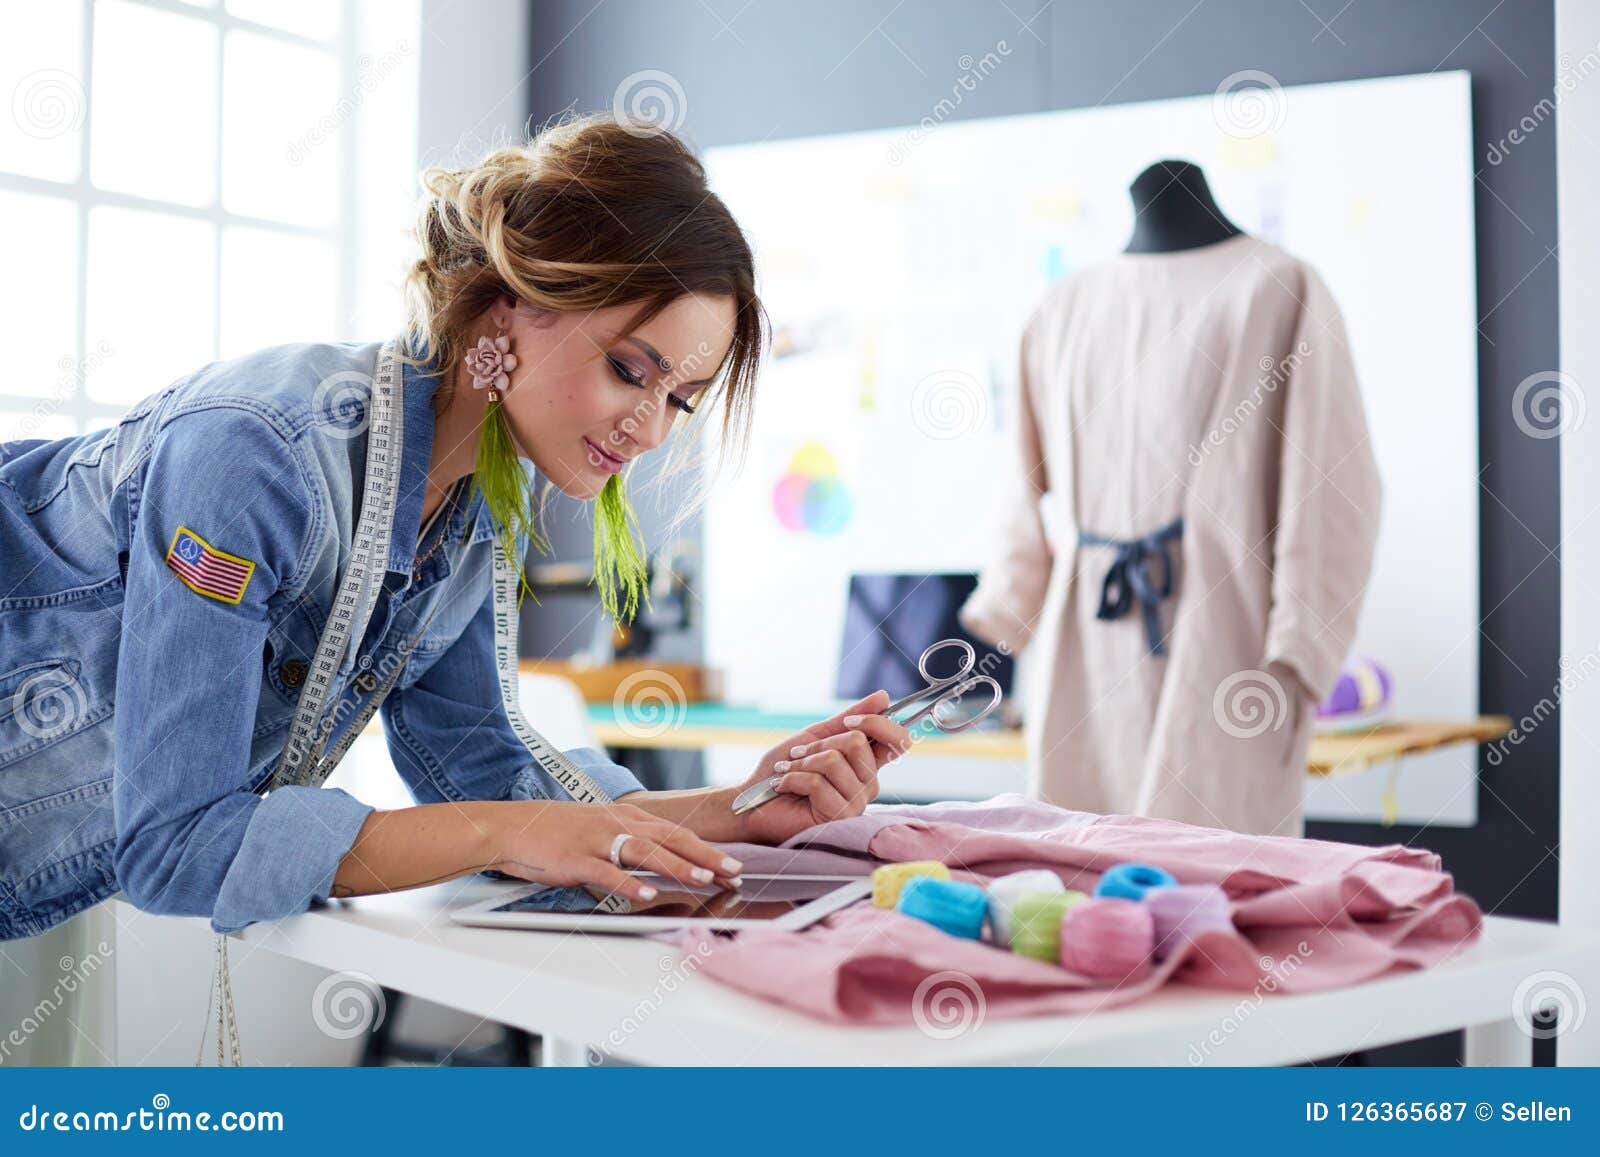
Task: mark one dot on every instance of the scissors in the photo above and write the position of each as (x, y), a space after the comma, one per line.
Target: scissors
(937, 691)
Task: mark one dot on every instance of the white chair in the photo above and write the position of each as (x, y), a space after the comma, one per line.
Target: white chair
(554, 707)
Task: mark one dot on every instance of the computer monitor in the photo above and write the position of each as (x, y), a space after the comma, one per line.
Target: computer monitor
(890, 619)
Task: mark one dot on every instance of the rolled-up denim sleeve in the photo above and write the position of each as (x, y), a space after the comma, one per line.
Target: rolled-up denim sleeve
(192, 838)
(451, 740)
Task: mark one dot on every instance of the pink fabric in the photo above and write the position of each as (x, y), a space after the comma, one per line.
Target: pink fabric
(1309, 915)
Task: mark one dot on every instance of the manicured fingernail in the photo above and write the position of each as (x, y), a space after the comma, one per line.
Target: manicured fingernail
(731, 865)
(781, 765)
(797, 752)
(736, 882)
(646, 892)
(852, 721)
(704, 875)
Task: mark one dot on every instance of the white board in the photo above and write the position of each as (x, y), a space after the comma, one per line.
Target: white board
(899, 266)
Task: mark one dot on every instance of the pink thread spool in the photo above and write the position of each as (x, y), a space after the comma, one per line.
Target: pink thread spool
(1107, 938)
(1183, 912)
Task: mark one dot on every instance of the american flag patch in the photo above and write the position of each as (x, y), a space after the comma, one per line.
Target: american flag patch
(206, 570)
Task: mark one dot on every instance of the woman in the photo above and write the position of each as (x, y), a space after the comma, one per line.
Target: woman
(166, 586)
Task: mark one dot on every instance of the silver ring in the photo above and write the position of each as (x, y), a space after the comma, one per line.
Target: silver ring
(616, 848)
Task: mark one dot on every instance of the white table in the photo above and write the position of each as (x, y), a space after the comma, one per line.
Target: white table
(639, 1001)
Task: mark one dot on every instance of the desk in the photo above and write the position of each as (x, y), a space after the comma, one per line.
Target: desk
(702, 725)
(576, 988)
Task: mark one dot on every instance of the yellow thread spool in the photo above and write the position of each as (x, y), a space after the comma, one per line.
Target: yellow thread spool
(889, 879)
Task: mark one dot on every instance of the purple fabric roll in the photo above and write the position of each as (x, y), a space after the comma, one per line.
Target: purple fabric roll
(1182, 913)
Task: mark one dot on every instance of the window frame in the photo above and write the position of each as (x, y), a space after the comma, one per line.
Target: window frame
(75, 404)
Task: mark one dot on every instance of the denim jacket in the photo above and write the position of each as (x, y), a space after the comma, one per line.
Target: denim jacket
(163, 584)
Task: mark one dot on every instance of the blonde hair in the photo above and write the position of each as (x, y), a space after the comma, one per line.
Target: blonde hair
(591, 212)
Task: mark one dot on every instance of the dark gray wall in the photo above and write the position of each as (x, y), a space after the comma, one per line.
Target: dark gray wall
(771, 69)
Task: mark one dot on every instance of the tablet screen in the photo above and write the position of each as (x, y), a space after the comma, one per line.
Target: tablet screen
(761, 898)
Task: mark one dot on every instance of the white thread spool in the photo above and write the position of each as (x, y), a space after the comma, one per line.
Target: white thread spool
(1007, 890)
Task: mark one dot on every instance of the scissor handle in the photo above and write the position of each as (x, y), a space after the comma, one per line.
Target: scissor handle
(969, 660)
(956, 693)
(940, 689)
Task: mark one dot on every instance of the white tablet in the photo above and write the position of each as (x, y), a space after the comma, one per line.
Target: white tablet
(784, 902)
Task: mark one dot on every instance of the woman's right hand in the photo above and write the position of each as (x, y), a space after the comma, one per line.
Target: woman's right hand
(569, 845)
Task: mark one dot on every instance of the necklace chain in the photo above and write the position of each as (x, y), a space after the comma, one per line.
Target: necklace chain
(433, 519)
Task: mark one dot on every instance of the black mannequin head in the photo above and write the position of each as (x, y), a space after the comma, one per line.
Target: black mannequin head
(1174, 210)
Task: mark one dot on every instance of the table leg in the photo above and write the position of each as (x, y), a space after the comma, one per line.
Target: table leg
(1498, 1044)
(556, 1053)
(1579, 1044)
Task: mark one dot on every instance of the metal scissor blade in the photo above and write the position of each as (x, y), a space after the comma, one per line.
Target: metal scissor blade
(755, 795)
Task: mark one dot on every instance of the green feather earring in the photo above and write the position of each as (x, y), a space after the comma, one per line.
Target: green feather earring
(497, 474)
(620, 570)
(499, 478)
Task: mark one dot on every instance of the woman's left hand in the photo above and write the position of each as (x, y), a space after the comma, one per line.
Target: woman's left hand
(829, 771)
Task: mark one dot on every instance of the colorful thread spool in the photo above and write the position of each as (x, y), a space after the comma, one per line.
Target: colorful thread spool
(1183, 912)
(1108, 939)
(1007, 890)
(1036, 923)
(889, 879)
(949, 905)
(1131, 882)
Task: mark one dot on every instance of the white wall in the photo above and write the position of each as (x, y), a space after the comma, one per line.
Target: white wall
(1577, 178)
(474, 84)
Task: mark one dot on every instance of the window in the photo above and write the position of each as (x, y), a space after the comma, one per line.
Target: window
(187, 181)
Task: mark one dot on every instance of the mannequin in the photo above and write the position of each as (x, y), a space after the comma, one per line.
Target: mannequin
(1192, 518)
(1173, 210)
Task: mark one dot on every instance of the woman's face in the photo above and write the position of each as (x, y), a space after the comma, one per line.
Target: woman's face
(585, 399)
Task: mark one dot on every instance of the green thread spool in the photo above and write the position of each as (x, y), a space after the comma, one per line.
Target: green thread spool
(1036, 924)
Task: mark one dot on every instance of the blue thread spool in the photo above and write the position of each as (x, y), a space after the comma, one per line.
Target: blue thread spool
(1131, 881)
(949, 905)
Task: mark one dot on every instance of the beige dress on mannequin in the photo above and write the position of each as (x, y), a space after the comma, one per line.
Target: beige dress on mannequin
(1213, 385)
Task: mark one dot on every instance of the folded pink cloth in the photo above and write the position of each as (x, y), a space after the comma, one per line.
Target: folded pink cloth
(1308, 914)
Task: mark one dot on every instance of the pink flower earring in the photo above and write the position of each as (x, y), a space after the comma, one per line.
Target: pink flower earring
(490, 362)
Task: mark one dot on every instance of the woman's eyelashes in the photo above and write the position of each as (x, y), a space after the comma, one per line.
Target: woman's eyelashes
(628, 374)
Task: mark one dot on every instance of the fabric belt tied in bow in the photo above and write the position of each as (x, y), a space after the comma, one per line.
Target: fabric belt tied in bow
(1127, 580)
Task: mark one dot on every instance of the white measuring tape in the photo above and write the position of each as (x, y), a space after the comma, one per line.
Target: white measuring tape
(304, 762)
